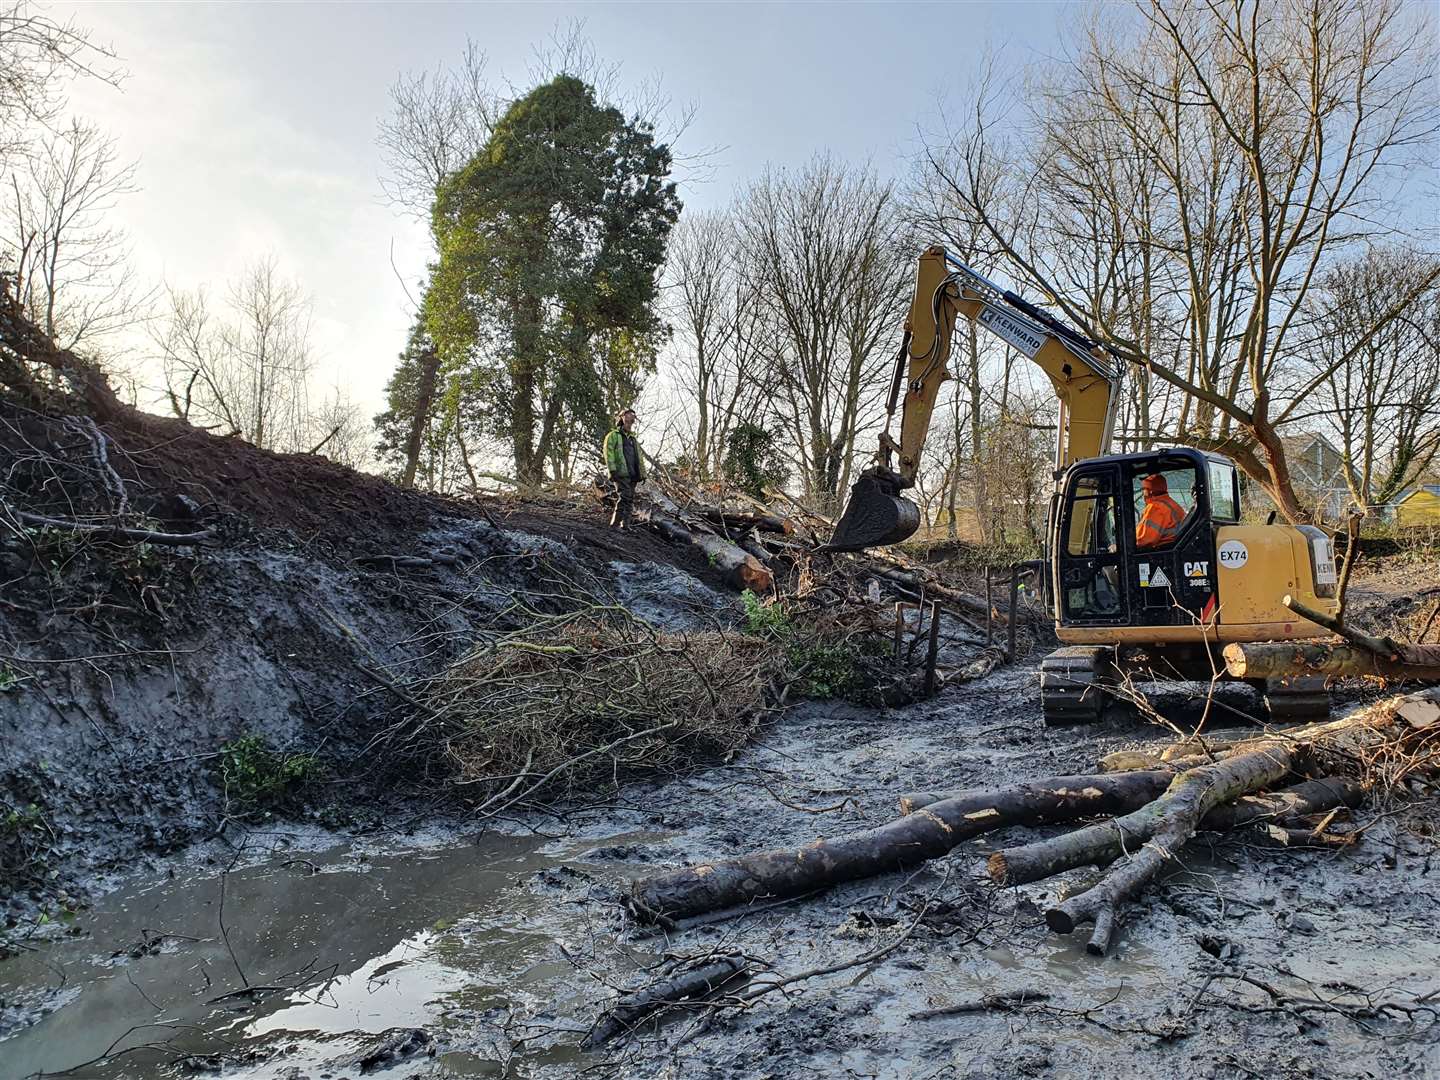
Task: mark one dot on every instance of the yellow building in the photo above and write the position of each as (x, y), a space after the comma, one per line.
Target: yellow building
(1419, 506)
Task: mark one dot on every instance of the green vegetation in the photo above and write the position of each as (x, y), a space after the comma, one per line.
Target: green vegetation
(258, 778)
(543, 304)
(753, 461)
(821, 668)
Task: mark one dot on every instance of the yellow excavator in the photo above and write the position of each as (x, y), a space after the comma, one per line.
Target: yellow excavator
(1120, 609)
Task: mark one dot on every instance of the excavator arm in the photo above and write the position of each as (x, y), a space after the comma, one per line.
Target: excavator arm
(1085, 384)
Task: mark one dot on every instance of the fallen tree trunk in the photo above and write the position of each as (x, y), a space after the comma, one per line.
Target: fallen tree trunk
(686, 986)
(741, 569)
(1105, 842)
(1263, 661)
(738, 522)
(898, 845)
(1285, 806)
(1154, 781)
(972, 605)
(1165, 825)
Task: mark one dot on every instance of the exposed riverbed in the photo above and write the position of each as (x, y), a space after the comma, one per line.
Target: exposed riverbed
(491, 952)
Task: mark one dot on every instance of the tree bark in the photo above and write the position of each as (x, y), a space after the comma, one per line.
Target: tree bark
(1263, 661)
(741, 569)
(899, 845)
(1105, 842)
(686, 986)
(1165, 826)
(424, 402)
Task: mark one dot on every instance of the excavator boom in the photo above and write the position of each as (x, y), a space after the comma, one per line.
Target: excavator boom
(1085, 384)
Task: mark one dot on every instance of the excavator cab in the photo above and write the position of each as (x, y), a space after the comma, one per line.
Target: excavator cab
(876, 515)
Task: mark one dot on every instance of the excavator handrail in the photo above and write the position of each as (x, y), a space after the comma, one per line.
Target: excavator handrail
(1042, 322)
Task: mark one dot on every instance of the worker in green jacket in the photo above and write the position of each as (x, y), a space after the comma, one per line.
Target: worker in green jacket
(626, 464)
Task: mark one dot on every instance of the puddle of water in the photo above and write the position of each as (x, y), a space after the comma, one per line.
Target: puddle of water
(332, 944)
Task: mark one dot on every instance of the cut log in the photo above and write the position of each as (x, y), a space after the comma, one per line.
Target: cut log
(741, 569)
(1105, 842)
(963, 601)
(1198, 745)
(1265, 661)
(899, 845)
(1284, 807)
(1151, 785)
(686, 986)
(1164, 827)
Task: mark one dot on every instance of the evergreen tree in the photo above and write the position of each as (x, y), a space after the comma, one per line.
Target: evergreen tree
(544, 298)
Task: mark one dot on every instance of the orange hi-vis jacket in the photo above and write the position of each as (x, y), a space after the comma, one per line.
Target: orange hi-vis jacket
(1160, 522)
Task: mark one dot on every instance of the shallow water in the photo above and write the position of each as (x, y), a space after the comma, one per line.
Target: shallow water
(331, 944)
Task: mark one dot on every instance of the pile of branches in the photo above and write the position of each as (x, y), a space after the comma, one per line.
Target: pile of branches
(868, 603)
(573, 702)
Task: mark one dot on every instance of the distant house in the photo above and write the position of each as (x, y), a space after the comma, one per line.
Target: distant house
(1317, 470)
(1418, 506)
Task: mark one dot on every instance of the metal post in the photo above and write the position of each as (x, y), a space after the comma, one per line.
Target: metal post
(933, 652)
(1014, 613)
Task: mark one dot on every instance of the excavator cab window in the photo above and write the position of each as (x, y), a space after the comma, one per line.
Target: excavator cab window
(1164, 495)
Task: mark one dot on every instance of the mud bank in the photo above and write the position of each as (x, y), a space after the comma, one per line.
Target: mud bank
(111, 725)
(500, 949)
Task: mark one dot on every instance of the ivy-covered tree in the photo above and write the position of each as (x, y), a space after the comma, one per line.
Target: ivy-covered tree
(544, 295)
(404, 429)
(752, 459)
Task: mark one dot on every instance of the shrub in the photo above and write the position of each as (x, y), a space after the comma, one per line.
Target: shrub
(258, 778)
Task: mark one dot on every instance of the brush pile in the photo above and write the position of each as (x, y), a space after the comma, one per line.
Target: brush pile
(571, 702)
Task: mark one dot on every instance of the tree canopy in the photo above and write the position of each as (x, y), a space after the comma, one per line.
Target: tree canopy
(550, 241)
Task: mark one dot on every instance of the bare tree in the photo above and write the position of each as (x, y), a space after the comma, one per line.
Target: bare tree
(824, 247)
(717, 359)
(37, 56)
(338, 429)
(72, 267)
(438, 121)
(1185, 180)
(1383, 408)
(246, 373)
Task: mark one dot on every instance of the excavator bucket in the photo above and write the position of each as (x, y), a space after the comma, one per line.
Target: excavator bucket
(876, 515)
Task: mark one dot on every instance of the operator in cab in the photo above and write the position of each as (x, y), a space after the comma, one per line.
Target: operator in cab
(627, 466)
(1159, 522)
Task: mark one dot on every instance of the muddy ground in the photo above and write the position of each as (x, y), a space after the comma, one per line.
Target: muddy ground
(371, 927)
(450, 951)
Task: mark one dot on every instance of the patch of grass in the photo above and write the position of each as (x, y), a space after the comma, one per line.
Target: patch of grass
(257, 778)
(764, 620)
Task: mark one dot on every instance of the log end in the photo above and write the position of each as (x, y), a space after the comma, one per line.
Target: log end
(1234, 654)
(752, 574)
(1059, 920)
(999, 869)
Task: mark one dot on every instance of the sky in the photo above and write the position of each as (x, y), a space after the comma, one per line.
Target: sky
(254, 124)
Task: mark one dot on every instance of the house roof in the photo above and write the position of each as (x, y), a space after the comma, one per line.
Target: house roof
(1302, 441)
(1432, 489)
